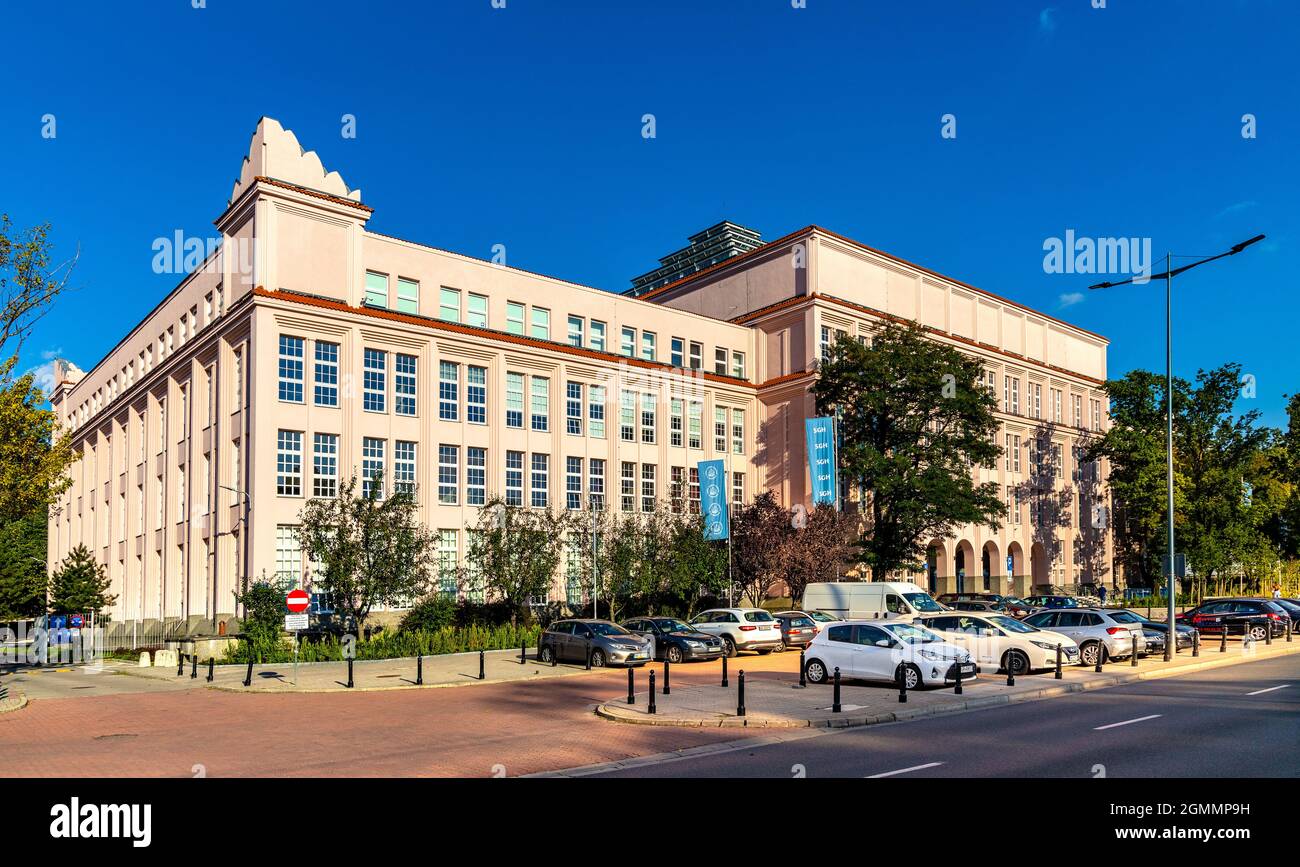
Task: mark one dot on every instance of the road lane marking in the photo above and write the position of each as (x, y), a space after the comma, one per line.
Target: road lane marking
(904, 770)
(1126, 722)
(1270, 689)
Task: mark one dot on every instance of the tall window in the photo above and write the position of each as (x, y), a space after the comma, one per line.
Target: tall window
(373, 376)
(476, 311)
(738, 489)
(695, 425)
(288, 464)
(1056, 404)
(541, 325)
(408, 296)
(647, 487)
(448, 390)
(376, 289)
(825, 343)
(404, 385)
(447, 561)
(476, 395)
(288, 553)
(290, 368)
(448, 474)
(475, 475)
(372, 465)
(1034, 396)
(627, 343)
(1094, 407)
(573, 408)
(738, 364)
(573, 483)
(697, 355)
(514, 317)
(576, 330)
(514, 478)
(627, 416)
(648, 417)
(327, 374)
(325, 465)
(720, 361)
(540, 480)
(627, 486)
(677, 352)
(693, 490)
(449, 304)
(596, 411)
(514, 399)
(720, 429)
(1077, 406)
(648, 345)
(675, 422)
(404, 466)
(1011, 394)
(598, 335)
(541, 403)
(1013, 453)
(737, 431)
(596, 484)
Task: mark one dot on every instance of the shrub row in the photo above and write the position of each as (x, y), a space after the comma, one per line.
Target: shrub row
(431, 642)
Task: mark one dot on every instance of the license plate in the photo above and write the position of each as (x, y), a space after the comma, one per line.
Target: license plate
(639, 656)
(969, 668)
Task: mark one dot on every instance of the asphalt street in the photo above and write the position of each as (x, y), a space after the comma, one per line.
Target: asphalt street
(1238, 721)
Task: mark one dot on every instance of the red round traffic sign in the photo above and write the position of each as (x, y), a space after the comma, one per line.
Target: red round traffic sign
(297, 601)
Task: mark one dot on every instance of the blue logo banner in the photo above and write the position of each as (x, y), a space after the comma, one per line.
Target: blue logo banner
(821, 460)
(713, 500)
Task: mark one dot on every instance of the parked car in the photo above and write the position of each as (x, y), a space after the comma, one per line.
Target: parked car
(886, 650)
(608, 643)
(797, 629)
(1256, 617)
(1292, 608)
(1012, 605)
(1001, 641)
(1052, 601)
(1155, 628)
(868, 600)
(821, 616)
(741, 629)
(675, 640)
(1095, 630)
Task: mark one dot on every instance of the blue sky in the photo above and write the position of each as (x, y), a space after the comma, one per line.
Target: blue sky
(522, 126)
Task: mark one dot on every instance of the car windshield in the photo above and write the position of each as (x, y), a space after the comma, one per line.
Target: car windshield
(799, 621)
(821, 616)
(607, 629)
(922, 602)
(1011, 624)
(757, 616)
(1124, 617)
(671, 624)
(911, 634)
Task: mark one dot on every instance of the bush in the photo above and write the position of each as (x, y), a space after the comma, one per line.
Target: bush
(386, 645)
(430, 614)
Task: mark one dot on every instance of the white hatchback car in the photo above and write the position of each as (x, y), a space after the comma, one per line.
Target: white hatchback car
(884, 650)
(1002, 642)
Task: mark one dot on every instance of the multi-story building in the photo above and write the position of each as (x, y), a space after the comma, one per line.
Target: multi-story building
(304, 349)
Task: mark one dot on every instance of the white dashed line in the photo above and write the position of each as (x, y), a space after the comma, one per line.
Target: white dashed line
(905, 770)
(1126, 722)
(1270, 689)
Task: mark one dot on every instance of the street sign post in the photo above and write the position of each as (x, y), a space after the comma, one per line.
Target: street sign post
(297, 601)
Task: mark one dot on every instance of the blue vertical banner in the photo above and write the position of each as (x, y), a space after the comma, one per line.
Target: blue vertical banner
(713, 500)
(821, 460)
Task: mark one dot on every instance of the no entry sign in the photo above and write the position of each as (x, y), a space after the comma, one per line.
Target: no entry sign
(297, 601)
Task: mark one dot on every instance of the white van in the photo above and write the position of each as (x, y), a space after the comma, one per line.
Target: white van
(870, 600)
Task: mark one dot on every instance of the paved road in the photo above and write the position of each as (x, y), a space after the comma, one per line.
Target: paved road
(1199, 725)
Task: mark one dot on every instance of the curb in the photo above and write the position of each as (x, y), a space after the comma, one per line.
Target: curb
(16, 701)
(610, 710)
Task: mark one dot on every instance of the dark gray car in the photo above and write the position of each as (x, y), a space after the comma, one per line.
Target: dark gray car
(605, 641)
(675, 640)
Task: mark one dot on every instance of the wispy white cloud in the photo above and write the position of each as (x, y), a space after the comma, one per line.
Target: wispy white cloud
(1047, 20)
(1236, 208)
(54, 370)
(1069, 299)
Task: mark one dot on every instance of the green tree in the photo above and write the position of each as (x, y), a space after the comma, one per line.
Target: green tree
(914, 421)
(1284, 527)
(515, 552)
(818, 549)
(80, 584)
(263, 628)
(695, 566)
(23, 581)
(760, 546)
(370, 549)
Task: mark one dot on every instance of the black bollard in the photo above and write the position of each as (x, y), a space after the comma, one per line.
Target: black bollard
(1268, 632)
(1196, 643)
(1058, 662)
(248, 678)
(1288, 632)
(902, 684)
(180, 663)
(481, 673)
(631, 692)
(667, 685)
(835, 703)
(194, 667)
(1134, 661)
(419, 669)
(555, 657)
(1011, 673)
(740, 694)
(956, 689)
(1223, 639)
(651, 708)
(803, 679)
(211, 663)
(588, 654)
(349, 674)
(1101, 654)
(523, 651)
(724, 671)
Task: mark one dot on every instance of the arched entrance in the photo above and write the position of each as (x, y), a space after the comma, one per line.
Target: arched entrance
(1038, 564)
(936, 566)
(1016, 555)
(992, 568)
(964, 562)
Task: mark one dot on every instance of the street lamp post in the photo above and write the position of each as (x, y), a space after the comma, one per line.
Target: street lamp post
(1168, 277)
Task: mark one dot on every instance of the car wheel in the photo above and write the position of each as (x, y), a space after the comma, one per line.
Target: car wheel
(728, 646)
(598, 658)
(548, 654)
(1090, 652)
(673, 654)
(910, 674)
(815, 671)
(1015, 662)
(1258, 633)
(783, 648)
